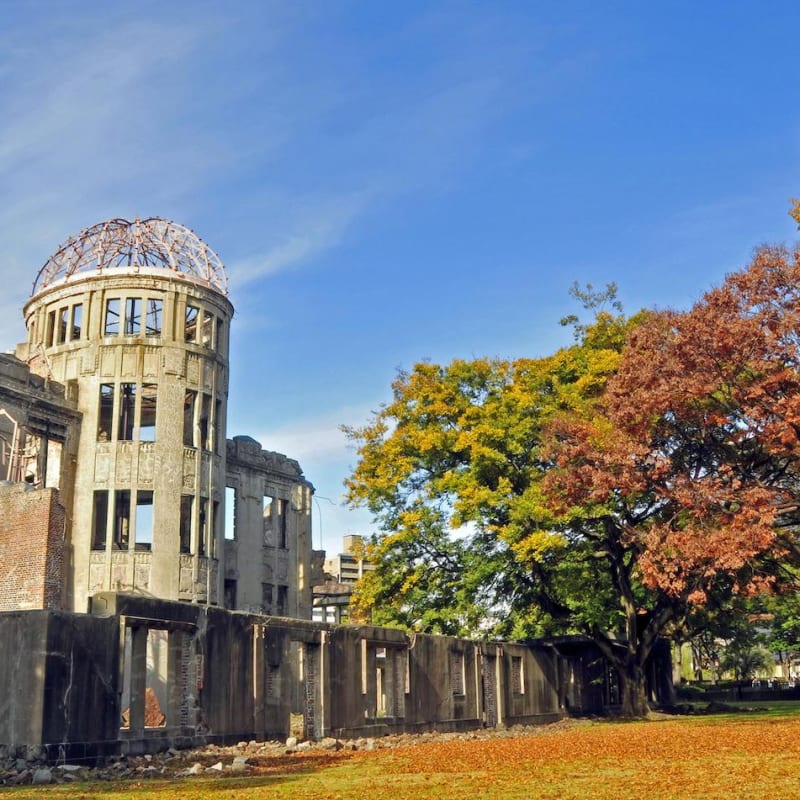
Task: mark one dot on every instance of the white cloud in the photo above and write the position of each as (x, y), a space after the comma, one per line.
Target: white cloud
(315, 440)
(314, 232)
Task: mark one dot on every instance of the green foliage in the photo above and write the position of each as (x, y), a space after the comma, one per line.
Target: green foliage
(613, 488)
(452, 469)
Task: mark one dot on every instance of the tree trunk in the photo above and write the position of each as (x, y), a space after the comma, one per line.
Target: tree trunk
(633, 691)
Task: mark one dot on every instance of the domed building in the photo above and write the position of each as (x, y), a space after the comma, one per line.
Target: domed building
(128, 330)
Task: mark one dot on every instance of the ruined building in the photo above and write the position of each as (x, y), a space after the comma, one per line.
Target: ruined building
(117, 401)
(133, 617)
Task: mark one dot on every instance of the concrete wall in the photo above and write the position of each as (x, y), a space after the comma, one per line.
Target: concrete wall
(59, 684)
(220, 676)
(268, 559)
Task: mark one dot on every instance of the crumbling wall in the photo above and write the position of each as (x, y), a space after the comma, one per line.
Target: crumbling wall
(32, 548)
(58, 684)
(530, 683)
(231, 676)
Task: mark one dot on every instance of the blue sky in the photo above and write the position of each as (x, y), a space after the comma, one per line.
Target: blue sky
(393, 181)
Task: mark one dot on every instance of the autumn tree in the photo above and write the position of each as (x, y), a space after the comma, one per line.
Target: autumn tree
(689, 477)
(460, 449)
(612, 488)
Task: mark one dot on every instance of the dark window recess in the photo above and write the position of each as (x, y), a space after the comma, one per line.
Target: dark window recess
(100, 520)
(230, 593)
(204, 423)
(282, 507)
(105, 416)
(187, 502)
(122, 519)
(77, 321)
(133, 316)
(190, 327)
(216, 425)
(153, 317)
(127, 409)
(212, 537)
(201, 533)
(189, 402)
(147, 423)
(111, 324)
(144, 520)
(282, 604)
(266, 597)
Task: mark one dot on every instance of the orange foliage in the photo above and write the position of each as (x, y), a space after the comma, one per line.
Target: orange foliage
(696, 758)
(695, 450)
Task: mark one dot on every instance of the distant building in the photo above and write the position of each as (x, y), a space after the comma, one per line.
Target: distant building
(332, 597)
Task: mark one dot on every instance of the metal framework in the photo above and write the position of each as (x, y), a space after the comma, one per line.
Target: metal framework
(118, 243)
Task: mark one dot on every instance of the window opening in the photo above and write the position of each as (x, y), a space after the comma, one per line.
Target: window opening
(216, 425)
(52, 477)
(144, 521)
(201, 533)
(204, 423)
(153, 316)
(190, 327)
(230, 513)
(111, 325)
(133, 316)
(63, 325)
(122, 519)
(457, 672)
(190, 398)
(282, 604)
(51, 326)
(266, 513)
(207, 330)
(147, 425)
(517, 682)
(212, 540)
(218, 334)
(230, 593)
(77, 321)
(380, 681)
(266, 597)
(282, 508)
(186, 523)
(105, 417)
(100, 520)
(127, 408)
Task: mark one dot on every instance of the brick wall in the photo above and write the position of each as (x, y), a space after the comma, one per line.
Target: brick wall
(31, 548)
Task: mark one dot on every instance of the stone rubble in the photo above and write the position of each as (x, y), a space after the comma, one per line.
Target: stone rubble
(234, 760)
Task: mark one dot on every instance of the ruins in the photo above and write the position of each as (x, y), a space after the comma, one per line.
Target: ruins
(132, 617)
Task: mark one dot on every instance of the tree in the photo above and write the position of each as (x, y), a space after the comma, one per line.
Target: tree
(688, 478)
(614, 487)
(462, 447)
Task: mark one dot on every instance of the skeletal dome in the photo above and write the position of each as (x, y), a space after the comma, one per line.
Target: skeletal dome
(141, 245)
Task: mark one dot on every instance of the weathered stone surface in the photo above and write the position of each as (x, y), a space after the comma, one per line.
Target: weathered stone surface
(42, 776)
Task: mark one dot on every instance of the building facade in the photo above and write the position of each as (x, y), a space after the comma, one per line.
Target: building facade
(132, 319)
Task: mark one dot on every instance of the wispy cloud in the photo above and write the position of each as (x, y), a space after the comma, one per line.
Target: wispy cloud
(318, 440)
(314, 231)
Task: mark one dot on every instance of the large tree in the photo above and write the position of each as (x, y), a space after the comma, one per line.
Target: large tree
(612, 488)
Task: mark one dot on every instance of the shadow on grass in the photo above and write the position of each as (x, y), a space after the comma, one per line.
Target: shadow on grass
(263, 772)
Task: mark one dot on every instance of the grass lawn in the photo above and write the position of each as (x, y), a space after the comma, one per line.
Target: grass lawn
(726, 757)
